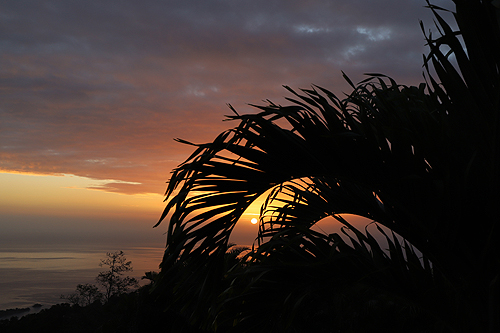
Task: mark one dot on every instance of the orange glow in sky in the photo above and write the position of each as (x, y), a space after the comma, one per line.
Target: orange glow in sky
(93, 96)
(23, 192)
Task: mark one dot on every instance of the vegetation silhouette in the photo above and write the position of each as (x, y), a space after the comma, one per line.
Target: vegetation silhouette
(91, 311)
(85, 294)
(111, 280)
(421, 162)
(131, 312)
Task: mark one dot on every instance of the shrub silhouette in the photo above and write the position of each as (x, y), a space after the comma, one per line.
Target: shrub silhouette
(85, 294)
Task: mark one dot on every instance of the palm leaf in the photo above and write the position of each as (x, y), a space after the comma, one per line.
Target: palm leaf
(422, 164)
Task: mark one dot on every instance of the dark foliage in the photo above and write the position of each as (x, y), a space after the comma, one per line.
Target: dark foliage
(422, 162)
(132, 312)
(12, 312)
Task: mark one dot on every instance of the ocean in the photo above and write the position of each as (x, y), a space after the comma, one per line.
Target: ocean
(41, 275)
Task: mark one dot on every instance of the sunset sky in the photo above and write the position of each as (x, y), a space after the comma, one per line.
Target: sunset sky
(94, 92)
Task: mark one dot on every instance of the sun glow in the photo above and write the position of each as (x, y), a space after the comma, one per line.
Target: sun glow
(253, 220)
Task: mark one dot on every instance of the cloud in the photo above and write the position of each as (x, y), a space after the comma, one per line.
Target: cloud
(100, 88)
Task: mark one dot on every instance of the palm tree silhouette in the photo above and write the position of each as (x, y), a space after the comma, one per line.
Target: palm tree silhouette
(422, 162)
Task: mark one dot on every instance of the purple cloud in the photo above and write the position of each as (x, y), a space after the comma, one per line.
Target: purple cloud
(100, 88)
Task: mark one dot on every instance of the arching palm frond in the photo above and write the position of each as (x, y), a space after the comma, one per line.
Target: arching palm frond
(424, 165)
(350, 157)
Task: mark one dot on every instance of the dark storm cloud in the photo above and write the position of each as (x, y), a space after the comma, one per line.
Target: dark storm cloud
(100, 88)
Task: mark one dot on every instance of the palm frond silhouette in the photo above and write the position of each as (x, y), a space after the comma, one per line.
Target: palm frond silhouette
(422, 162)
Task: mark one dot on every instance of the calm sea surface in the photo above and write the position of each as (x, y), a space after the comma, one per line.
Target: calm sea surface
(29, 276)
